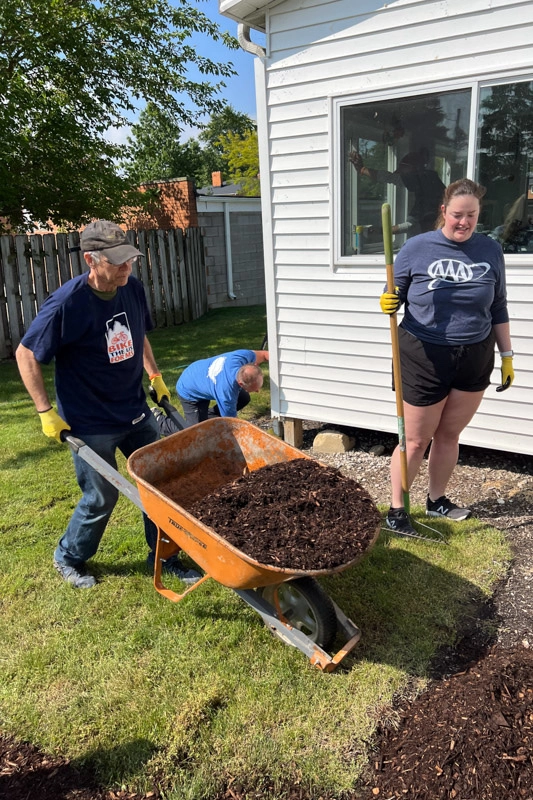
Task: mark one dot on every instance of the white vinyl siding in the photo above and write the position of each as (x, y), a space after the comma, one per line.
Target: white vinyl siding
(330, 344)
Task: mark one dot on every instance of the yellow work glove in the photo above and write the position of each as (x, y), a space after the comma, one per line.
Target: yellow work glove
(52, 424)
(390, 302)
(158, 385)
(507, 373)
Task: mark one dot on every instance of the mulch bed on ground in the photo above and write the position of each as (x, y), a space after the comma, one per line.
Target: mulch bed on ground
(468, 738)
(296, 514)
(26, 773)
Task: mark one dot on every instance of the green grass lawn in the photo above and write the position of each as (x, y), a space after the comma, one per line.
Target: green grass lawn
(198, 693)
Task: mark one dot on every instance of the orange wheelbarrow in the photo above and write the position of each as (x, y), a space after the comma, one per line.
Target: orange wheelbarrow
(190, 465)
(195, 462)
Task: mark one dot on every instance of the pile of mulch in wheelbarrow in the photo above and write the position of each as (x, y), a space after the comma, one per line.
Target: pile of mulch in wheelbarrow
(467, 738)
(297, 514)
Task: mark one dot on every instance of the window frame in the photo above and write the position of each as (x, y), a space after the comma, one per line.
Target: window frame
(336, 103)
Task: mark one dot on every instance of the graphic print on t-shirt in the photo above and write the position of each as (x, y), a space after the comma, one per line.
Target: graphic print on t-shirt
(216, 368)
(119, 338)
(448, 271)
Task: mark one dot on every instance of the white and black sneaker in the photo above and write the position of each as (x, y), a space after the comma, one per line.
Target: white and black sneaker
(442, 507)
(398, 521)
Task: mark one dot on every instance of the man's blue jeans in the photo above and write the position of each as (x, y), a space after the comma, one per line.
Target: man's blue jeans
(87, 525)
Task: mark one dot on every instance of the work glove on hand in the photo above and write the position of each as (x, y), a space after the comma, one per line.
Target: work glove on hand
(507, 373)
(158, 385)
(390, 302)
(52, 424)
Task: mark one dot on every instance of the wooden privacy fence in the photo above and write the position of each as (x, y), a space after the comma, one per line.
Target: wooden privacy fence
(33, 266)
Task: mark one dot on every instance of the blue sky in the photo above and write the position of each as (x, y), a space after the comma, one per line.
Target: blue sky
(240, 89)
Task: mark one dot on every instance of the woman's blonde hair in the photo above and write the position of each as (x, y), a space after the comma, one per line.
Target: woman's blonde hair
(464, 186)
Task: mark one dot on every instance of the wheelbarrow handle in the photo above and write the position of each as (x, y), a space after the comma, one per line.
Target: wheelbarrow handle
(101, 466)
(73, 441)
(170, 410)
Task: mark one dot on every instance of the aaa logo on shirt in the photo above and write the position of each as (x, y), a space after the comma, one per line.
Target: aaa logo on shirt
(452, 271)
(119, 338)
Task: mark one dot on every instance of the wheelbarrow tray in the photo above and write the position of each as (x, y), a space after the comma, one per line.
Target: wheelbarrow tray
(192, 464)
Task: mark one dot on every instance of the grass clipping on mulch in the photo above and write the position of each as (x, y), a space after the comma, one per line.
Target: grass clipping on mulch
(469, 738)
(297, 514)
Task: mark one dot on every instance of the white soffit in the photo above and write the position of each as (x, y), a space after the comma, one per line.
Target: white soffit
(248, 12)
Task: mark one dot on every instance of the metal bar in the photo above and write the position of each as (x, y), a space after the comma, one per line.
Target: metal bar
(103, 468)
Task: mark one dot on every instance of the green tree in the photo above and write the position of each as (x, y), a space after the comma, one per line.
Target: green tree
(156, 153)
(242, 156)
(225, 121)
(221, 123)
(71, 70)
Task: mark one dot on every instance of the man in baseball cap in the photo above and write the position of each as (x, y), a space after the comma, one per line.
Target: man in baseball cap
(108, 239)
(94, 330)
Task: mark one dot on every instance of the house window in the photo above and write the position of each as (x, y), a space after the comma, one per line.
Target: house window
(405, 151)
(402, 152)
(504, 163)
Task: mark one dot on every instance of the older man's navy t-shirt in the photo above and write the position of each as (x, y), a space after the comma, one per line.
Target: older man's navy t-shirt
(98, 346)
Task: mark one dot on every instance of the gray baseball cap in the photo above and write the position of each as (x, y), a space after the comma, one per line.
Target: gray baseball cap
(110, 240)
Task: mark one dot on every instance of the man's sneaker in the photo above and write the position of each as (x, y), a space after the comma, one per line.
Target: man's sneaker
(442, 507)
(398, 521)
(76, 576)
(173, 566)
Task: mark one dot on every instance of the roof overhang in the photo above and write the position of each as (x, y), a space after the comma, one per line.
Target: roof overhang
(246, 12)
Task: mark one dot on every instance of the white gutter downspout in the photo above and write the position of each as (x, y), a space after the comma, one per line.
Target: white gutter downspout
(243, 35)
(229, 257)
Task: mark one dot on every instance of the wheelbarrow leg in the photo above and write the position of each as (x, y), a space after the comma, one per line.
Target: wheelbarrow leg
(166, 548)
(290, 635)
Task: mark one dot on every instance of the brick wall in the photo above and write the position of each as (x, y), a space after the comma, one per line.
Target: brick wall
(174, 206)
(247, 258)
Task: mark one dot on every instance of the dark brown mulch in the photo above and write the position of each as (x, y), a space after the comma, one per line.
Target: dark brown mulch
(26, 773)
(297, 514)
(468, 738)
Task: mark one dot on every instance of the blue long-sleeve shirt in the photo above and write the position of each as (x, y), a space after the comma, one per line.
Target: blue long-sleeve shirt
(215, 378)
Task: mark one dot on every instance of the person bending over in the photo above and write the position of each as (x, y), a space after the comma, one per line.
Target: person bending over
(228, 379)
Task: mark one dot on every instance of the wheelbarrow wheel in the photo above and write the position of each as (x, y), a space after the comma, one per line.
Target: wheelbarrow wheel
(307, 607)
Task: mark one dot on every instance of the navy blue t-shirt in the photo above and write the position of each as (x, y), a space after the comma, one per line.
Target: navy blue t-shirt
(453, 293)
(98, 349)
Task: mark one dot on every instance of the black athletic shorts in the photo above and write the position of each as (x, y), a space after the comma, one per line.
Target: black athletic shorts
(430, 371)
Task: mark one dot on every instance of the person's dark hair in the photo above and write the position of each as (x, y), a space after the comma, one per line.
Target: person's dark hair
(250, 377)
(459, 188)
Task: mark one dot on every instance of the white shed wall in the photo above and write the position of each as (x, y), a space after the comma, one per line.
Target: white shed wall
(330, 344)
